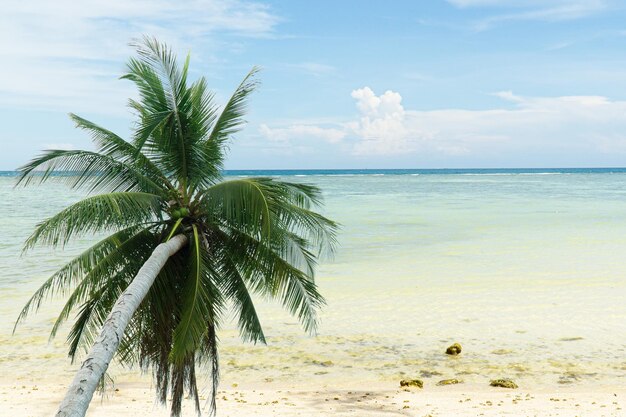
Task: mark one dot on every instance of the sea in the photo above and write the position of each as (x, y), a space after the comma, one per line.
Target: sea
(525, 268)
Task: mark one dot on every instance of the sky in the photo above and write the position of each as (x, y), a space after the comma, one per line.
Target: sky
(344, 84)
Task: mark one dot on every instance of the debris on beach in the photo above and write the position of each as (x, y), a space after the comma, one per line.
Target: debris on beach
(454, 350)
(322, 363)
(569, 378)
(449, 382)
(502, 351)
(429, 374)
(571, 339)
(412, 383)
(503, 383)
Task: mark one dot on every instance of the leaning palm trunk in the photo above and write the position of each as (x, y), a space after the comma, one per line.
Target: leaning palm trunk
(81, 391)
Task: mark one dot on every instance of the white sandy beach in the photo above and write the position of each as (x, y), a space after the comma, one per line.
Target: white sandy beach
(136, 399)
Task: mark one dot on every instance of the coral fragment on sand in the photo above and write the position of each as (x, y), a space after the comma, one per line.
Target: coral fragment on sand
(449, 382)
(412, 383)
(454, 350)
(503, 383)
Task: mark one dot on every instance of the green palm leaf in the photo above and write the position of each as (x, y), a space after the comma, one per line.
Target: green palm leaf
(111, 145)
(239, 202)
(199, 301)
(231, 117)
(124, 261)
(67, 277)
(97, 214)
(93, 170)
(235, 289)
(272, 275)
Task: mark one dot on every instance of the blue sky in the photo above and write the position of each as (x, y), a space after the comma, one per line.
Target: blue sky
(345, 84)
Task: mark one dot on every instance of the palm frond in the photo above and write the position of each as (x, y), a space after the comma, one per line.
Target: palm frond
(112, 145)
(270, 274)
(210, 350)
(92, 314)
(123, 261)
(234, 289)
(151, 89)
(87, 169)
(231, 117)
(274, 207)
(66, 278)
(162, 61)
(97, 214)
(200, 299)
(173, 143)
(241, 202)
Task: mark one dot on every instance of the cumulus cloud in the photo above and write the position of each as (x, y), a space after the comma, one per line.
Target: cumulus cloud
(381, 126)
(557, 126)
(534, 122)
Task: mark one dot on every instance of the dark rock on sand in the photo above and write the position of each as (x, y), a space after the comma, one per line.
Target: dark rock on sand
(503, 383)
(412, 383)
(449, 382)
(454, 350)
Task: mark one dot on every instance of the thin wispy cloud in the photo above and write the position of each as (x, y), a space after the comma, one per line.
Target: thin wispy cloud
(516, 10)
(63, 54)
(291, 134)
(314, 68)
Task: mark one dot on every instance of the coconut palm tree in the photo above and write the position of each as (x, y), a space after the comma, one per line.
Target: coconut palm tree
(185, 246)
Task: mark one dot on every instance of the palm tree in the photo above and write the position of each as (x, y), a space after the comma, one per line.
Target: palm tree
(184, 245)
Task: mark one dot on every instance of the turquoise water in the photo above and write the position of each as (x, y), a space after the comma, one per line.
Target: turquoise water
(525, 268)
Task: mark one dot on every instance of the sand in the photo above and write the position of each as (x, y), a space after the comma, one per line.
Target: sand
(137, 399)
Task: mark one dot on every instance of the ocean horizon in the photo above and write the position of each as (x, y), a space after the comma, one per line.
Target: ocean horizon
(396, 171)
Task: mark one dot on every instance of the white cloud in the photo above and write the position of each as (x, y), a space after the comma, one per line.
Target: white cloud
(314, 68)
(508, 96)
(531, 4)
(62, 54)
(299, 132)
(547, 10)
(381, 126)
(557, 126)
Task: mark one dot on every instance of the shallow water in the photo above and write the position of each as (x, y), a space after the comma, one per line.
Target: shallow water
(527, 272)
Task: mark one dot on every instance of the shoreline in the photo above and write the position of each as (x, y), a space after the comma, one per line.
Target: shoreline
(526, 273)
(137, 399)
